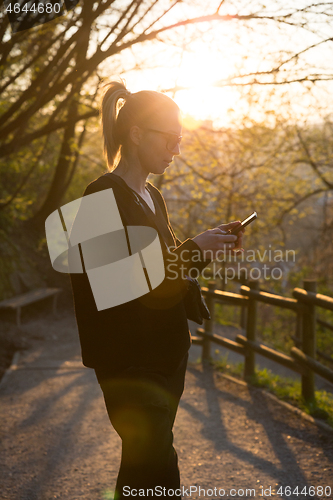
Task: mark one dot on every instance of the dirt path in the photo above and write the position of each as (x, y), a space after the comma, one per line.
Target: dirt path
(56, 440)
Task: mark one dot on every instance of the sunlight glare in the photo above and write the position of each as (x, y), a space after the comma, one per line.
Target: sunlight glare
(208, 103)
(202, 67)
(198, 74)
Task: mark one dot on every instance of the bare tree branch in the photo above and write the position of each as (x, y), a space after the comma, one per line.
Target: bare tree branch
(311, 162)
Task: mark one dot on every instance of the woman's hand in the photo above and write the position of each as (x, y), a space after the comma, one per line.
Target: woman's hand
(215, 241)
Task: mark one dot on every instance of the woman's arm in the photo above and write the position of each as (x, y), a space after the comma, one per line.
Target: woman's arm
(199, 251)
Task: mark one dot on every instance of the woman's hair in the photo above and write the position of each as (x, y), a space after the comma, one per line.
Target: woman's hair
(120, 110)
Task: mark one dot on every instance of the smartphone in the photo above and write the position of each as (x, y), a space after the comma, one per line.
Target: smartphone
(244, 223)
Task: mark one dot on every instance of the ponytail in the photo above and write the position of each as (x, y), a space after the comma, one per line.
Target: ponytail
(109, 111)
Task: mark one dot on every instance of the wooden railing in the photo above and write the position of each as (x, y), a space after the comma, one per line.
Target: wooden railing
(304, 303)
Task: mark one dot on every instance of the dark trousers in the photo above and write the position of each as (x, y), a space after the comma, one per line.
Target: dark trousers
(142, 408)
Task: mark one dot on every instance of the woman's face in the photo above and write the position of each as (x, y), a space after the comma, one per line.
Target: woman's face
(160, 142)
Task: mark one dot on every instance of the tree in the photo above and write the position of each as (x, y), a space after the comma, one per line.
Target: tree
(49, 78)
(225, 174)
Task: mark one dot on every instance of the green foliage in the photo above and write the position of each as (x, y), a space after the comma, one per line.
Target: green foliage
(324, 335)
(224, 175)
(9, 263)
(223, 365)
(227, 315)
(297, 276)
(27, 176)
(285, 389)
(91, 163)
(290, 390)
(107, 494)
(276, 326)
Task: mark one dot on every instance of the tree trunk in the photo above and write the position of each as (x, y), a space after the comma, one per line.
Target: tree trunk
(68, 159)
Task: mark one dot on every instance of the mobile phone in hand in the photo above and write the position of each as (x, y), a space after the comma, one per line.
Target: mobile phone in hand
(243, 224)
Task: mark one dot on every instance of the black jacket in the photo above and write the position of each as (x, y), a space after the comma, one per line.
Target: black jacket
(150, 332)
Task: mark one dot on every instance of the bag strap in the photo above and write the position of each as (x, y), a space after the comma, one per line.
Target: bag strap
(153, 220)
(163, 208)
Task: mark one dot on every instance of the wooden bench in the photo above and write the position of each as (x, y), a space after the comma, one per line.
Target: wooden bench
(29, 298)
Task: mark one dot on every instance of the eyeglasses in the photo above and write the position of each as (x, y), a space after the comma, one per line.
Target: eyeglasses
(172, 139)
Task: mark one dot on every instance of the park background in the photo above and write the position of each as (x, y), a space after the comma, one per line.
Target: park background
(254, 81)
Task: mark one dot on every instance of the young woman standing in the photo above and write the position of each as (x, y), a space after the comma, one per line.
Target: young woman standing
(139, 349)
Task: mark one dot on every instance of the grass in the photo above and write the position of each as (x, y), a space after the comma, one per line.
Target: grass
(286, 389)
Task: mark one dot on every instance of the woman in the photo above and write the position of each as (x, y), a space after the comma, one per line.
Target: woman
(139, 349)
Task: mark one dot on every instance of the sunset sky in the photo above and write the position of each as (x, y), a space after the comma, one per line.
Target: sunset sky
(203, 60)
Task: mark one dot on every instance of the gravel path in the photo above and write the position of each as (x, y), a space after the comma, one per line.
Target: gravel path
(57, 442)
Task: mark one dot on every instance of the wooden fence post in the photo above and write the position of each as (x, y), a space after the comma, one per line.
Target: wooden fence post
(243, 309)
(298, 332)
(209, 324)
(309, 342)
(249, 364)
